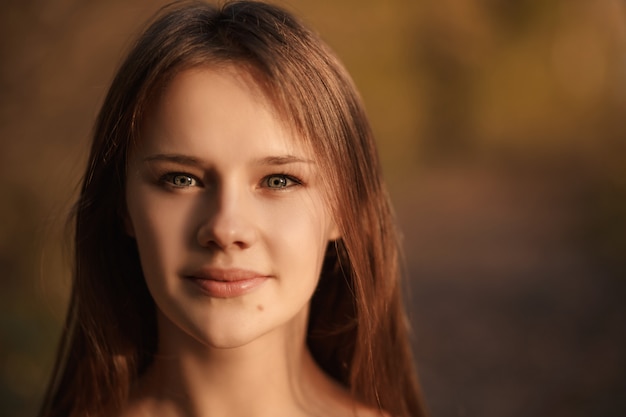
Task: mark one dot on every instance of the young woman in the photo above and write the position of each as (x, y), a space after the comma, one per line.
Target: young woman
(235, 253)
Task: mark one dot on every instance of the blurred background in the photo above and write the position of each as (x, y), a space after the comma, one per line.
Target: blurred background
(500, 125)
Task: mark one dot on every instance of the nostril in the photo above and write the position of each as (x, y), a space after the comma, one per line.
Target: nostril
(222, 233)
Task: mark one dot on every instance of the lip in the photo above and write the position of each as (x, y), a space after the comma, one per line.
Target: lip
(227, 283)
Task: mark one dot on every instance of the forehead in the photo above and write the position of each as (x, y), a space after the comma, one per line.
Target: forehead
(225, 106)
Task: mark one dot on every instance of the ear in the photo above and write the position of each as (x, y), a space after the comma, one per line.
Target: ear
(333, 231)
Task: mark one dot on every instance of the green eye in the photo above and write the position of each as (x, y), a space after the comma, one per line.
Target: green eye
(181, 180)
(278, 181)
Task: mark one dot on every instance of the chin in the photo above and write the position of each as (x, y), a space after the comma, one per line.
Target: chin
(229, 336)
(230, 331)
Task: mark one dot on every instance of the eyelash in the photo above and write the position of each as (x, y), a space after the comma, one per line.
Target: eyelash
(286, 181)
(284, 178)
(169, 180)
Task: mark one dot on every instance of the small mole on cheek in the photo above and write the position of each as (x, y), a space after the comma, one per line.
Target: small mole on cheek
(259, 307)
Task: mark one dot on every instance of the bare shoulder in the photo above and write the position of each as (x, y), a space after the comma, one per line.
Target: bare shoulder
(329, 398)
(132, 410)
(363, 411)
(342, 404)
(144, 407)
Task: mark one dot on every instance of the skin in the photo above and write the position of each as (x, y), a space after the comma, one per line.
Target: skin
(219, 183)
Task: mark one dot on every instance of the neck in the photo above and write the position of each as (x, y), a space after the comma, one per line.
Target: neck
(273, 375)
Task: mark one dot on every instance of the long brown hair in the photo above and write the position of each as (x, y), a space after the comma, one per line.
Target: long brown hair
(358, 332)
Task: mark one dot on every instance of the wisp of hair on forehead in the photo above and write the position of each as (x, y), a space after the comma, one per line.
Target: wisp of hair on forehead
(358, 332)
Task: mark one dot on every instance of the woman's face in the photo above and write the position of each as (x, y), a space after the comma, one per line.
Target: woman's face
(228, 211)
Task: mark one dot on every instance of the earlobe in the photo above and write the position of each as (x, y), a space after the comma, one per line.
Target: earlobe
(333, 233)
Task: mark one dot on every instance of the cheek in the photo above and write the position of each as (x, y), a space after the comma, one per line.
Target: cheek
(160, 229)
(297, 234)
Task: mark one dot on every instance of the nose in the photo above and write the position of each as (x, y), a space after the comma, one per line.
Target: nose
(229, 224)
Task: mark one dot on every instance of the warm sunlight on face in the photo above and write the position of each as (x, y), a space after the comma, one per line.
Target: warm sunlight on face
(228, 212)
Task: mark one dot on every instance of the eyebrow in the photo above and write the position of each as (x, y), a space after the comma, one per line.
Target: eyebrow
(180, 159)
(283, 160)
(189, 160)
